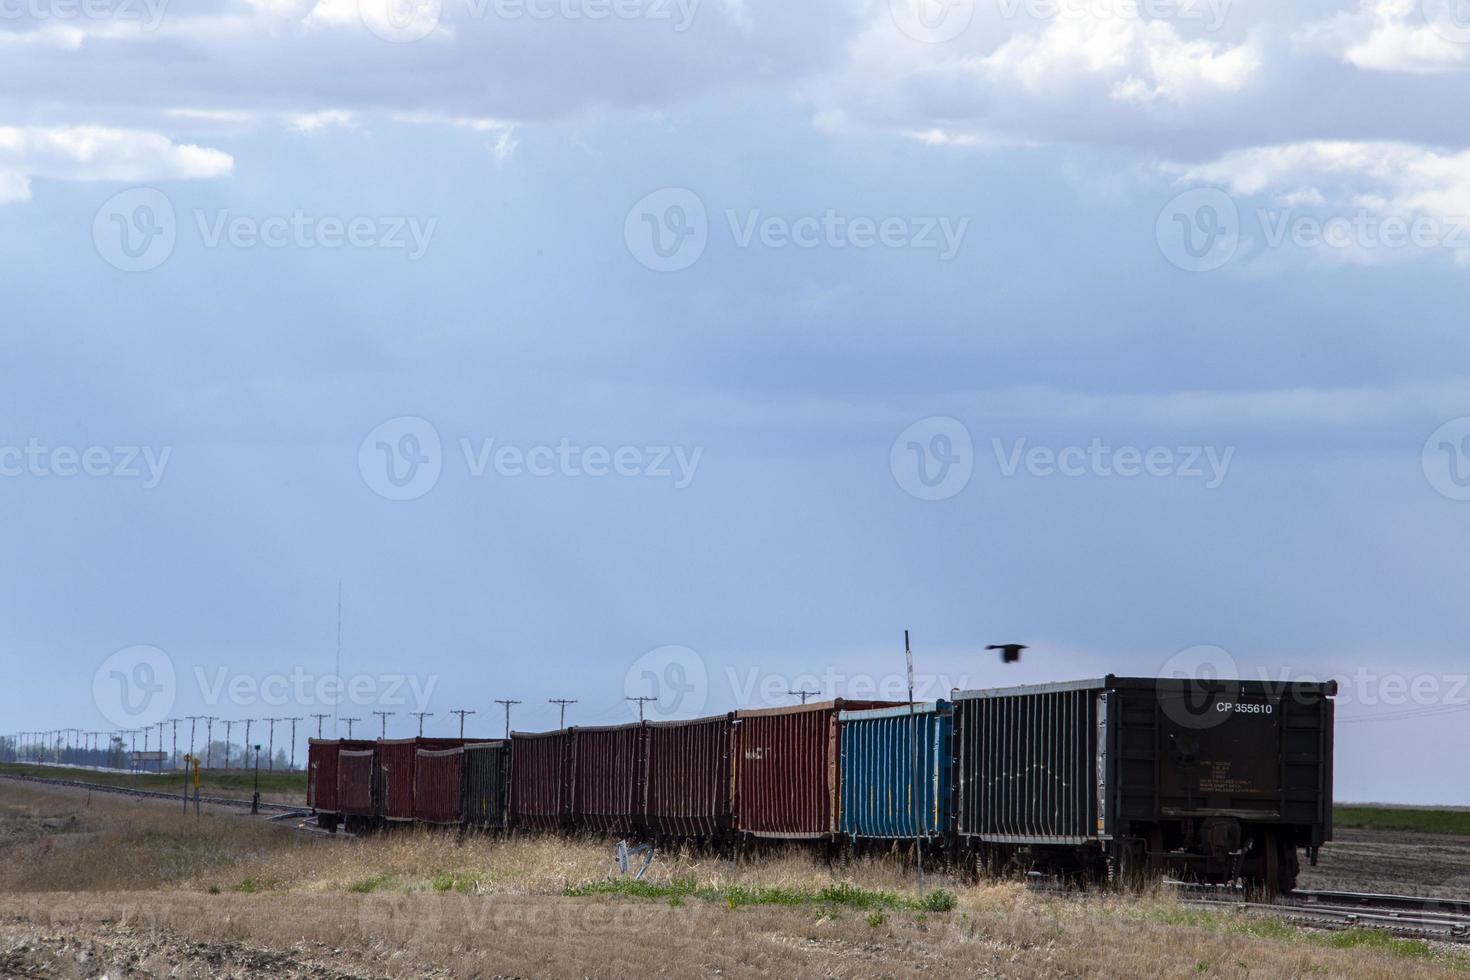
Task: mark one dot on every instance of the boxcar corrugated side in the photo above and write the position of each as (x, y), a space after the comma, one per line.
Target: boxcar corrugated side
(895, 775)
(689, 782)
(541, 772)
(787, 769)
(609, 778)
(394, 764)
(438, 784)
(487, 784)
(356, 794)
(321, 774)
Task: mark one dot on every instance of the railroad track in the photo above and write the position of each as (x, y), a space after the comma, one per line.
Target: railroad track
(176, 798)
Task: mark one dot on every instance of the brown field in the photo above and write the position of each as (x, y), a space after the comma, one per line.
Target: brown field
(133, 889)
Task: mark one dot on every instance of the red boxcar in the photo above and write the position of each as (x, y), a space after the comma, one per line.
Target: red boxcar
(395, 772)
(689, 776)
(787, 768)
(355, 768)
(541, 767)
(437, 785)
(609, 778)
(321, 774)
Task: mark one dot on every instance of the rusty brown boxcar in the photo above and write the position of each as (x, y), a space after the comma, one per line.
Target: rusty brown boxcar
(438, 784)
(541, 772)
(609, 777)
(355, 791)
(787, 768)
(394, 768)
(689, 776)
(321, 774)
(487, 784)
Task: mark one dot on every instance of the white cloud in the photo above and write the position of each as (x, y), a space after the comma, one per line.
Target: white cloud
(97, 153)
(307, 123)
(1415, 36)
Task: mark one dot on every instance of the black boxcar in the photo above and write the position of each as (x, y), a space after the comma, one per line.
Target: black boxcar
(487, 784)
(1125, 776)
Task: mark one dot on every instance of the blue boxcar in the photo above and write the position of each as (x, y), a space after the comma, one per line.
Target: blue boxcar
(877, 782)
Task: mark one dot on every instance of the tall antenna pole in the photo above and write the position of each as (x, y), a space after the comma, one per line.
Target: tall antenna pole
(461, 712)
(641, 701)
(338, 671)
(507, 714)
(916, 785)
(803, 694)
(563, 702)
(293, 722)
(421, 715)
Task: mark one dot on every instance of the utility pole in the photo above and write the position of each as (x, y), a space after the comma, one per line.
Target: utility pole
(209, 721)
(293, 722)
(641, 701)
(247, 742)
(507, 714)
(192, 720)
(383, 718)
(421, 715)
(563, 702)
(270, 745)
(173, 756)
(160, 744)
(230, 727)
(803, 694)
(349, 725)
(915, 785)
(319, 719)
(461, 712)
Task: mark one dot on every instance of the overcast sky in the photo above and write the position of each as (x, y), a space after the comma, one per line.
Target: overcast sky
(697, 348)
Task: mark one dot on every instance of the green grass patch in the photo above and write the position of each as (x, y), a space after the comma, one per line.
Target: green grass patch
(1402, 819)
(212, 782)
(372, 883)
(446, 881)
(842, 895)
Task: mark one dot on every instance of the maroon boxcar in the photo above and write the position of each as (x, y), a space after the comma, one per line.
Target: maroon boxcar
(541, 768)
(355, 769)
(437, 785)
(321, 774)
(609, 778)
(689, 776)
(787, 768)
(395, 772)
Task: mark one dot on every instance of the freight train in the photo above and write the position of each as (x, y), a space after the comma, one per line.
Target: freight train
(1113, 779)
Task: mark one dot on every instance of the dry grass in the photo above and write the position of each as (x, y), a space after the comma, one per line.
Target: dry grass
(136, 886)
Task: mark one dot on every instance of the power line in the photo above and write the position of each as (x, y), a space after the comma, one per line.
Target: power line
(349, 724)
(383, 717)
(322, 717)
(507, 713)
(421, 715)
(803, 694)
(641, 701)
(461, 712)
